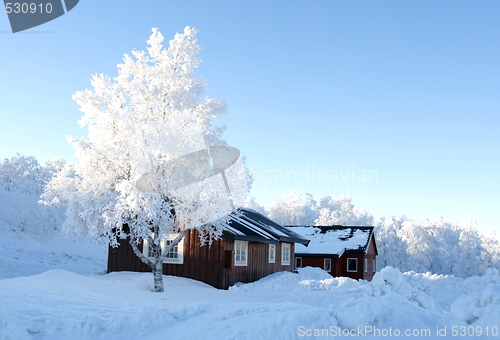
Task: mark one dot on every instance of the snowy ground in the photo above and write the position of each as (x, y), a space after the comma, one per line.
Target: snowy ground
(55, 288)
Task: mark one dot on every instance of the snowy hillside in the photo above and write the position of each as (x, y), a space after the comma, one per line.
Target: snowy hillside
(28, 246)
(53, 287)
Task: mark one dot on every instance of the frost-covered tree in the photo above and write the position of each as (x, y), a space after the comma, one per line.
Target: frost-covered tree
(52, 167)
(288, 210)
(490, 257)
(470, 248)
(292, 210)
(417, 244)
(252, 204)
(142, 123)
(341, 211)
(391, 249)
(21, 174)
(310, 209)
(437, 246)
(24, 174)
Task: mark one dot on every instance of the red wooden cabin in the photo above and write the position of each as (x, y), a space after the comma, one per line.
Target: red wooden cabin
(340, 250)
(253, 246)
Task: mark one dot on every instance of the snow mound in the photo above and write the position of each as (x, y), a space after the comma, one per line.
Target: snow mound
(308, 278)
(480, 305)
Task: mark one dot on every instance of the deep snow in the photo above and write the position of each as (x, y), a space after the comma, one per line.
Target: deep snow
(53, 287)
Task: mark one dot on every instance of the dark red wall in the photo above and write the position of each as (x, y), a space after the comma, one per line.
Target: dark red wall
(212, 264)
(339, 265)
(313, 261)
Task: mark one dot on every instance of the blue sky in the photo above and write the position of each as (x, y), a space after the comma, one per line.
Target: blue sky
(393, 102)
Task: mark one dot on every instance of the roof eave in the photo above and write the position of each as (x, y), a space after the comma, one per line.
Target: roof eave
(316, 255)
(295, 240)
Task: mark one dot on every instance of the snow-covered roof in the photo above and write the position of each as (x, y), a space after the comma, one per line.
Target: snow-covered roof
(334, 240)
(249, 225)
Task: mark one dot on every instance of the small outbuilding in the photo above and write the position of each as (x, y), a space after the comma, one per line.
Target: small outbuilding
(340, 250)
(252, 246)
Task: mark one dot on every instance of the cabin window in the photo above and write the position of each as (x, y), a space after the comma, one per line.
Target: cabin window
(176, 255)
(272, 253)
(285, 253)
(298, 262)
(352, 265)
(374, 266)
(240, 253)
(327, 265)
(366, 265)
(149, 248)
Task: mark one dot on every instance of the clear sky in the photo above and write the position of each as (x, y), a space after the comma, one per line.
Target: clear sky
(395, 103)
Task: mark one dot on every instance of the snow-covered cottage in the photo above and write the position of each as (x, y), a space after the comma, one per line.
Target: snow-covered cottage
(253, 246)
(339, 250)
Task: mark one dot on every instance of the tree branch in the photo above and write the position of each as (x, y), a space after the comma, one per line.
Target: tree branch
(140, 254)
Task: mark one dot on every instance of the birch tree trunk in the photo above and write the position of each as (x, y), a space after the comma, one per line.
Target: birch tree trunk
(158, 255)
(157, 268)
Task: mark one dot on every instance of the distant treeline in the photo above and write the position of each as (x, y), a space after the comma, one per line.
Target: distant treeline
(434, 246)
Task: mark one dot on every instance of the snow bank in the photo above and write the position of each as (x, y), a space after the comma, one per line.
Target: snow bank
(60, 304)
(480, 305)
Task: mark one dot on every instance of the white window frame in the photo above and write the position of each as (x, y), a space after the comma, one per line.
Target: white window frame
(272, 253)
(286, 249)
(356, 261)
(374, 266)
(240, 253)
(366, 265)
(296, 260)
(180, 250)
(329, 261)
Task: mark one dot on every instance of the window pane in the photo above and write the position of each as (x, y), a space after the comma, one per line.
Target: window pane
(272, 255)
(327, 265)
(174, 253)
(238, 252)
(243, 252)
(285, 254)
(352, 265)
(150, 251)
